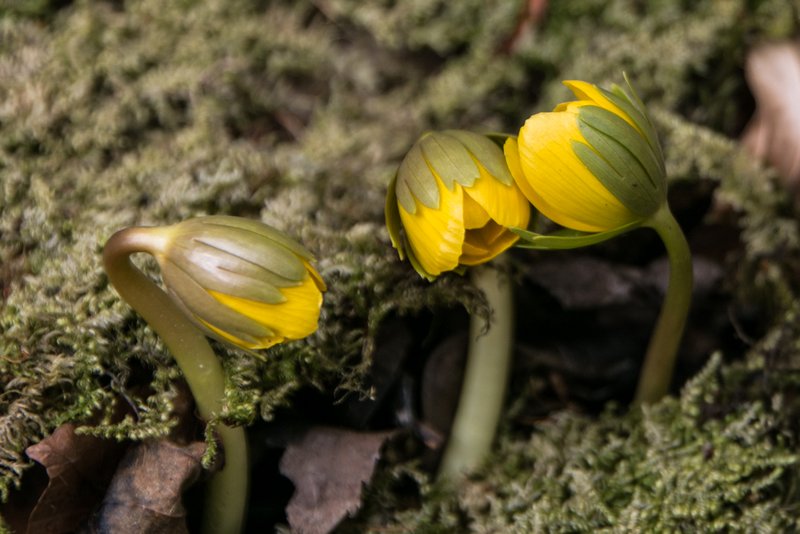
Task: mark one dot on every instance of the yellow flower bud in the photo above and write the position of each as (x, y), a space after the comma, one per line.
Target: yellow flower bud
(455, 198)
(239, 280)
(592, 165)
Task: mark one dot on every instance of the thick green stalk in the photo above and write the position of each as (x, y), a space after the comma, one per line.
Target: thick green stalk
(659, 362)
(485, 378)
(227, 492)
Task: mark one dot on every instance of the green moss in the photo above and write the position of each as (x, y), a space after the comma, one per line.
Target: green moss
(700, 462)
(147, 114)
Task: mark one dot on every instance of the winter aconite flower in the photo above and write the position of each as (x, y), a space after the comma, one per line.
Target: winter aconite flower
(452, 204)
(455, 199)
(240, 280)
(593, 164)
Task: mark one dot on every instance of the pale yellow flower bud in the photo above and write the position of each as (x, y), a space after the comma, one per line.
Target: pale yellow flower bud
(239, 280)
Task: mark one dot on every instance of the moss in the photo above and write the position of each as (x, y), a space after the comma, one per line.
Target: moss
(141, 114)
(695, 463)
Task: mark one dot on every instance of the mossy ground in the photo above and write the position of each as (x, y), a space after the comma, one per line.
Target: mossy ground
(297, 113)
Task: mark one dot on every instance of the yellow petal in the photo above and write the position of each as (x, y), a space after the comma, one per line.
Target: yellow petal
(472, 249)
(483, 244)
(474, 215)
(293, 319)
(511, 150)
(505, 204)
(486, 235)
(436, 235)
(264, 343)
(563, 188)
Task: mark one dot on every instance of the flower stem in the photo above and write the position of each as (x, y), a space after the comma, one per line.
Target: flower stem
(485, 377)
(659, 361)
(227, 491)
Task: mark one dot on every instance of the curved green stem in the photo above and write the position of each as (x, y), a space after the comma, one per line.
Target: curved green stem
(659, 361)
(485, 378)
(227, 492)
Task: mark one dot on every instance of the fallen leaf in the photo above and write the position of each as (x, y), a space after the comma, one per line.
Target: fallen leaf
(79, 468)
(145, 494)
(532, 15)
(328, 467)
(577, 343)
(773, 134)
(441, 382)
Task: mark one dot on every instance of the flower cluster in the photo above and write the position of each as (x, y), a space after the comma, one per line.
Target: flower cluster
(593, 165)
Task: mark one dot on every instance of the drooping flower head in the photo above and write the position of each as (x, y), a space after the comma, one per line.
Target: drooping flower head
(239, 280)
(455, 198)
(593, 164)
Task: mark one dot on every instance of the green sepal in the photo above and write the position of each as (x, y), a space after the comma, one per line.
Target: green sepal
(415, 178)
(499, 138)
(245, 247)
(394, 226)
(629, 139)
(237, 257)
(198, 304)
(568, 239)
(459, 269)
(405, 198)
(412, 258)
(392, 214)
(630, 103)
(486, 152)
(626, 192)
(270, 256)
(450, 156)
(619, 156)
(449, 159)
(252, 282)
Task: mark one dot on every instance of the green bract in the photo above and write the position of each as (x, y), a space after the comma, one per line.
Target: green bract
(452, 156)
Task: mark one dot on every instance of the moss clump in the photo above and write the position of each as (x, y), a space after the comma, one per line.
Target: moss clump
(147, 114)
(695, 463)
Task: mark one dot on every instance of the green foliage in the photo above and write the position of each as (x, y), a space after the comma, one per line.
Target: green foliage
(698, 463)
(687, 56)
(436, 25)
(147, 114)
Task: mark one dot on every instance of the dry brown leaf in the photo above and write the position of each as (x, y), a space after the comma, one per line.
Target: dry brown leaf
(79, 468)
(532, 15)
(145, 494)
(328, 467)
(773, 134)
(441, 383)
